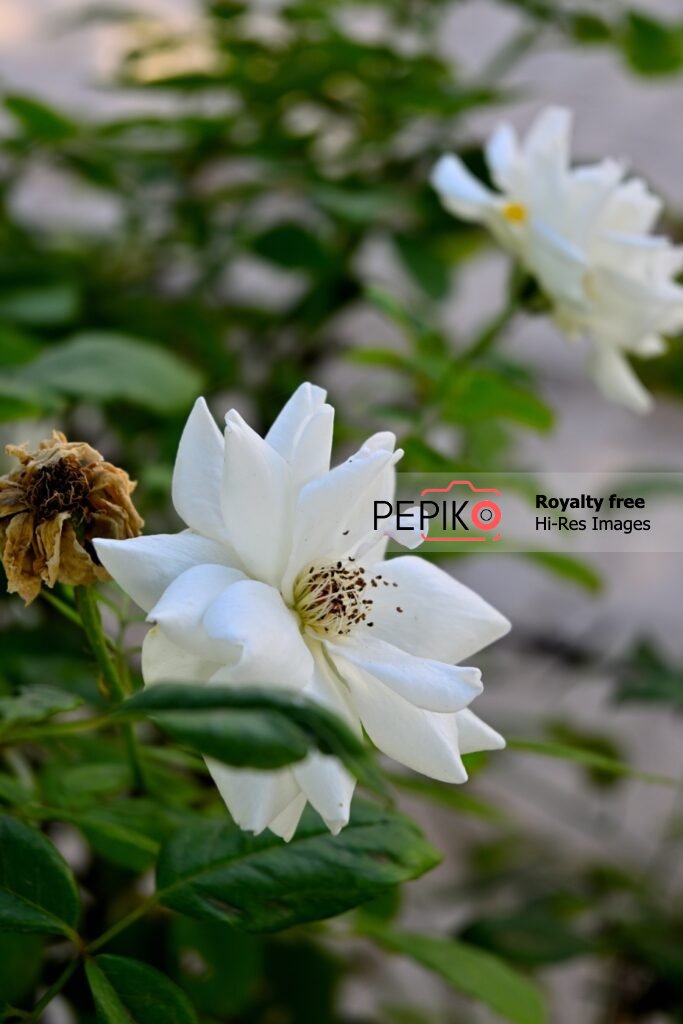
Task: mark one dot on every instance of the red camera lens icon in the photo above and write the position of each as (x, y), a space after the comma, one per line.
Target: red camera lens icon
(470, 514)
(486, 515)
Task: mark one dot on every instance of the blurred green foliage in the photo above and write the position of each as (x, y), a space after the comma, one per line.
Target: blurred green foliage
(262, 166)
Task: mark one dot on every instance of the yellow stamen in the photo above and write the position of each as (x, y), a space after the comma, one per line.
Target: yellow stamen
(516, 213)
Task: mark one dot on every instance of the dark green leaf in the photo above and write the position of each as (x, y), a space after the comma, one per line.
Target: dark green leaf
(40, 121)
(532, 936)
(470, 970)
(291, 246)
(652, 47)
(214, 871)
(98, 366)
(647, 678)
(252, 727)
(37, 890)
(129, 992)
(244, 739)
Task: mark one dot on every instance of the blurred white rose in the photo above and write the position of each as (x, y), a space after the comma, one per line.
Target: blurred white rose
(585, 235)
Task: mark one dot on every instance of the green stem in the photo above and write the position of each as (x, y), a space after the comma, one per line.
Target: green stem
(493, 329)
(124, 923)
(134, 757)
(61, 606)
(52, 991)
(86, 602)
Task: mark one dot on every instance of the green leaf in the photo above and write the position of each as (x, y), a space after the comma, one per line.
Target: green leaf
(17, 346)
(244, 739)
(476, 395)
(254, 728)
(532, 936)
(291, 246)
(20, 965)
(589, 28)
(39, 120)
(83, 784)
(129, 992)
(100, 366)
(473, 971)
(587, 758)
(215, 871)
(424, 265)
(597, 742)
(568, 567)
(652, 47)
(49, 305)
(19, 399)
(12, 791)
(128, 833)
(35, 704)
(647, 678)
(456, 798)
(37, 890)
(219, 969)
(357, 206)
(382, 357)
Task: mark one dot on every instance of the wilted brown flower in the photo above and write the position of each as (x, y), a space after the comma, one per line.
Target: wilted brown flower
(52, 505)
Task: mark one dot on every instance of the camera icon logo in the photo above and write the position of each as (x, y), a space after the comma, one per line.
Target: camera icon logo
(477, 516)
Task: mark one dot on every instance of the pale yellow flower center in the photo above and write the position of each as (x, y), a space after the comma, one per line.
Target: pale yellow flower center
(515, 213)
(332, 598)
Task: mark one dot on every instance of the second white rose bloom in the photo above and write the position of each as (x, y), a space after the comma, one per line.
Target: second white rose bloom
(280, 581)
(585, 235)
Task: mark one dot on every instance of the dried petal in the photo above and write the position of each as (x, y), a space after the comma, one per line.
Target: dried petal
(52, 506)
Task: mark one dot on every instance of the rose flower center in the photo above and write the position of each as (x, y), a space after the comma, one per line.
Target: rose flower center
(61, 486)
(331, 599)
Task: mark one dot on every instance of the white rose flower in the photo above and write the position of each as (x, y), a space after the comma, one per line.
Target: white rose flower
(585, 235)
(278, 581)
